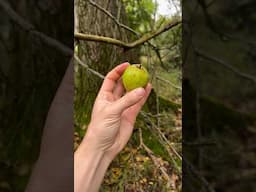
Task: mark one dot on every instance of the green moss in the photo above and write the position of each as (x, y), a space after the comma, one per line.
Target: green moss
(153, 143)
(165, 104)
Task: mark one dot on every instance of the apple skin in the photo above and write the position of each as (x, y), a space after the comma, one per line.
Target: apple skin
(135, 76)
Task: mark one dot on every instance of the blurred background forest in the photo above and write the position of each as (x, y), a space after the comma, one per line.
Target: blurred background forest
(218, 81)
(152, 159)
(31, 70)
(219, 91)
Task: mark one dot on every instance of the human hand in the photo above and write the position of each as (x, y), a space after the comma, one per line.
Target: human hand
(114, 114)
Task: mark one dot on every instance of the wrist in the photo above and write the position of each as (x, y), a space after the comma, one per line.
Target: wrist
(91, 143)
(88, 151)
(90, 165)
(90, 147)
(86, 163)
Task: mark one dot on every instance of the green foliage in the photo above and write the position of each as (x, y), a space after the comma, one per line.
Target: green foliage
(169, 44)
(139, 14)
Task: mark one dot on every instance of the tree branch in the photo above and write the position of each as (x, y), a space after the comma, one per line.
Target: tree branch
(88, 68)
(168, 82)
(140, 41)
(153, 34)
(197, 173)
(102, 39)
(226, 65)
(112, 17)
(127, 28)
(155, 160)
(31, 29)
(162, 137)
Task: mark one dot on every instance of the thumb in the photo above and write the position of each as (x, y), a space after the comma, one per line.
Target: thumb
(128, 100)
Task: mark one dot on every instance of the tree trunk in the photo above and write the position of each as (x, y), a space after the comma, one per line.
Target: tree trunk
(98, 56)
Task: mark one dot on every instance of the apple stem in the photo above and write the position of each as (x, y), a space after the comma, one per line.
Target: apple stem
(139, 66)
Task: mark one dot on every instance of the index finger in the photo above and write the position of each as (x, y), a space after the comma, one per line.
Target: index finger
(112, 77)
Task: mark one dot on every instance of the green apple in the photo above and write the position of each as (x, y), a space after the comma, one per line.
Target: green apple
(135, 76)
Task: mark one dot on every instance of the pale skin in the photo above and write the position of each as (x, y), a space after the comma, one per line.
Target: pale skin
(109, 130)
(112, 122)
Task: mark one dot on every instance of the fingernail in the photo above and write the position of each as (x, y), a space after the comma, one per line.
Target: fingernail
(140, 91)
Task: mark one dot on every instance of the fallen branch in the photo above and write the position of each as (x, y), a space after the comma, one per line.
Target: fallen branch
(162, 136)
(145, 38)
(155, 160)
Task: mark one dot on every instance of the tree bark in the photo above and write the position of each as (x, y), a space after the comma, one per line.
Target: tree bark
(98, 56)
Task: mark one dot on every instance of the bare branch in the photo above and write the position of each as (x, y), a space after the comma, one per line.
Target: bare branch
(145, 38)
(198, 175)
(112, 17)
(162, 136)
(226, 65)
(96, 38)
(31, 29)
(168, 82)
(127, 28)
(88, 68)
(153, 34)
(155, 160)
(158, 55)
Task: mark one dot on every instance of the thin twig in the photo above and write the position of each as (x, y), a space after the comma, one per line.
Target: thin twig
(158, 55)
(157, 103)
(165, 143)
(88, 68)
(170, 83)
(155, 116)
(226, 65)
(198, 174)
(112, 17)
(162, 136)
(154, 159)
